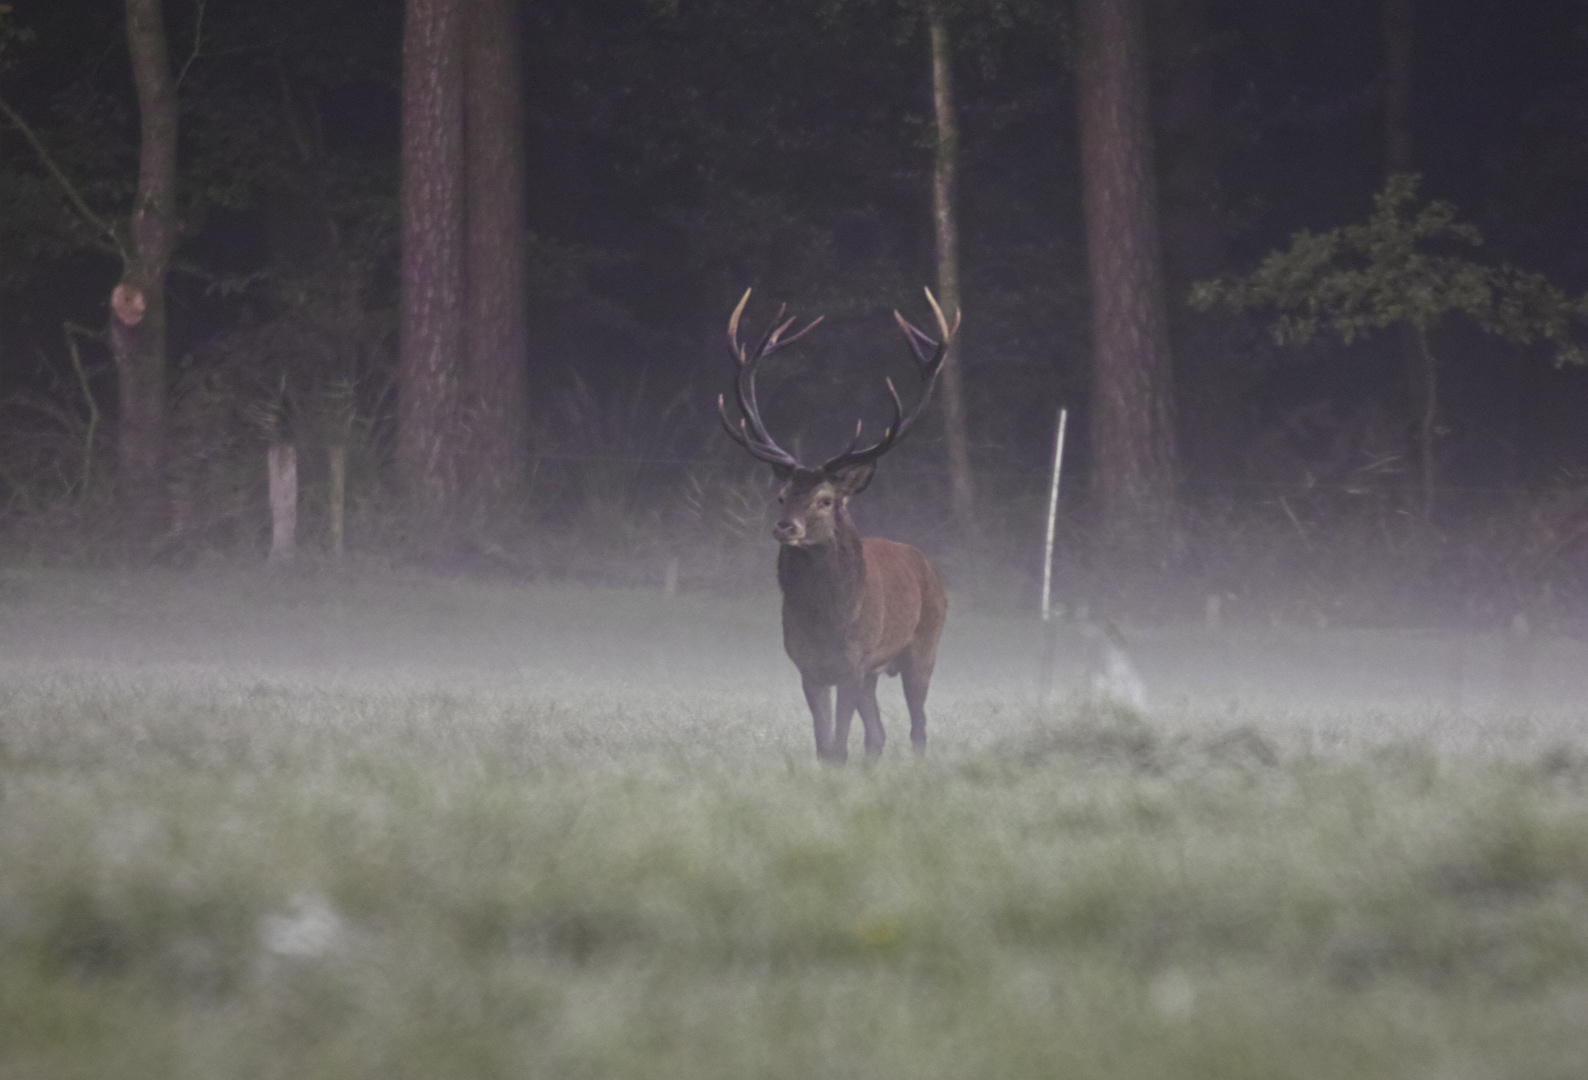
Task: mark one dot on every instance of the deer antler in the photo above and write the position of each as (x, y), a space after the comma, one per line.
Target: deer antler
(930, 364)
(750, 432)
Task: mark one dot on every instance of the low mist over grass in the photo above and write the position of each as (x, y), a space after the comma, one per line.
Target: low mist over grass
(294, 826)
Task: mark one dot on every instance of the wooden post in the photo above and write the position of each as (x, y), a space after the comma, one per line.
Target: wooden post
(1050, 642)
(1053, 513)
(338, 508)
(282, 461)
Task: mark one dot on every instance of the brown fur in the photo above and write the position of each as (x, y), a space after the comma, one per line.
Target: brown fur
(853, 609)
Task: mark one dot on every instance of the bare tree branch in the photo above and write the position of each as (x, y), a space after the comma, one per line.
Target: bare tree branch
(73, 196)
(198, 41)
(72, 332)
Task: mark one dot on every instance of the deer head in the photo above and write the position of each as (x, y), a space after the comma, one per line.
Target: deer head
(814, 501)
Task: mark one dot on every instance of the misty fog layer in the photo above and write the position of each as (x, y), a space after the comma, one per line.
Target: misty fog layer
(646, 655)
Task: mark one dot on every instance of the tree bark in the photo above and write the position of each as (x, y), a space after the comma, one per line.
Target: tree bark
(281, 461)
(137, 303)
(1425, 408)
(336, 455)
(497, 325)
(1134, 464)
(1208, 384)
(1422, 375)
(962, 486)
(1398, 30)
(431, 340)
(1422, 381)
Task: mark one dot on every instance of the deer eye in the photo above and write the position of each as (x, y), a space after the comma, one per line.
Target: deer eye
(825, 502)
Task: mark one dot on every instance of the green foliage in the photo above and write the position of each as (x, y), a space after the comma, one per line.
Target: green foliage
(1407, 265)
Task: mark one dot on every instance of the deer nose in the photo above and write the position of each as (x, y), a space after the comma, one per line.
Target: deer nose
(787, 529)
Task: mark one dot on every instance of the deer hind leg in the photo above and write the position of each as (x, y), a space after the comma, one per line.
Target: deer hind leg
(871, 717)
(820, 699)
(916, 676)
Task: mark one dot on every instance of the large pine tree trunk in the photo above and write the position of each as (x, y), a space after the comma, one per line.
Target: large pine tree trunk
(1134, 465)
(1208, 385)
(962, 487)
(497, 326)
(431, 341)
(137, 304)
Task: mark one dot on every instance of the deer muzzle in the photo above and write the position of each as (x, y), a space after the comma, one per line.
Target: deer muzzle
(789, 531)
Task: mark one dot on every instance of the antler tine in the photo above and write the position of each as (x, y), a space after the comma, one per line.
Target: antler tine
(899, 424)
(943, 328)
(860, 426)
(748, 406)
(768, 340)
(774, 339)
(919, 342)
(733, 327)
(735, 432)
(778, 344)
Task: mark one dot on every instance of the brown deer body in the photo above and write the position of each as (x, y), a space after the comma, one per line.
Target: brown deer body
(854, 608)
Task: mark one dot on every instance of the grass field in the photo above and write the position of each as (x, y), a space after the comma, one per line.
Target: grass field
(307, 825)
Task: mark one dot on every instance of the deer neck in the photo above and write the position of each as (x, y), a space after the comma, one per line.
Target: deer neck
(824, 582)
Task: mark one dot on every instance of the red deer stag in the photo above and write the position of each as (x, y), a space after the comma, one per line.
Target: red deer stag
(853, 607)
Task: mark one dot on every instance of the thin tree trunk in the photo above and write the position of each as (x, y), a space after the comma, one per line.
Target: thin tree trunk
(1425, 405)
(137, 303)
(431, 340)
(1421, 370)
(1399, 21)
(497, 326)
(962, 486)
(1134, 465)
(320, 244)
(281, 461)
(1209, 386)
(337, 462)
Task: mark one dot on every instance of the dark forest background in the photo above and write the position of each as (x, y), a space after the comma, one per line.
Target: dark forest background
(677, 153)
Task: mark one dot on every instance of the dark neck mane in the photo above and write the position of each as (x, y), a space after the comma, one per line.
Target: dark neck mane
(824, 582)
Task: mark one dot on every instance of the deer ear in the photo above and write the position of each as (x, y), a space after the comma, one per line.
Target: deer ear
(782, 472)
(852, 479)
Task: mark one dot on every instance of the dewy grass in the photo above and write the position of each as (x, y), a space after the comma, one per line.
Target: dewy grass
(315, 872)
(269, 882)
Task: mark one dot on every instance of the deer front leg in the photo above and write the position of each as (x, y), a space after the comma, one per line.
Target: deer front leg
(851, 695)
(819, 697)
